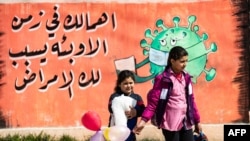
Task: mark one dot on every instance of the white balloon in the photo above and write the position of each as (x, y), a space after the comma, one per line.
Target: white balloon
(120, 105)
(119, 133)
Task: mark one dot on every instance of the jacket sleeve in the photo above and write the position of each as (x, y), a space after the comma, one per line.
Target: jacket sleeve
(110, 103)
(153, 97)
(194, 111)
(196, 114)
(140, 107)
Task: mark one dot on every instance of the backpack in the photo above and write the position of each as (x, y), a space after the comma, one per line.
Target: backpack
(200, 136)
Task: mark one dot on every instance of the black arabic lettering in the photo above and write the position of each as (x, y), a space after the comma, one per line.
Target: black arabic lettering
(68, 84)
(94, 79)
(28, 53)
(41, 76)
(14, 64)
(64, 38)
(114, 21)
(82, 49)
(27, 64)
(26, 82)
(56, 48)
(37, 52)
(84, 82)
(43, 61)
(93, 52)
(101, 21)
(18, 23)
(55, 23)
(105, 47)
(69, 23)
(49, 83)
(20, 54)
(36, 26)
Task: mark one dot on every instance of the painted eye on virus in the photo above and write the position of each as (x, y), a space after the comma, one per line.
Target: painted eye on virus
(157, 45)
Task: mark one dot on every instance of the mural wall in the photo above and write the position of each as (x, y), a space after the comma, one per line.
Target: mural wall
(60, 60)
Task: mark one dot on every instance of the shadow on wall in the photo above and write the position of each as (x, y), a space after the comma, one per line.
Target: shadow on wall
(242, 16)
(2, 118)
(3, 123)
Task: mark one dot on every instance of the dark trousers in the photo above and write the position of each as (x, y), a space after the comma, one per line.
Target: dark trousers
(182, 135)
(131, 137)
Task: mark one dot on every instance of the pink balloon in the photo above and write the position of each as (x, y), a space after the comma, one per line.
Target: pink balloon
(98, 136)
(91, 121)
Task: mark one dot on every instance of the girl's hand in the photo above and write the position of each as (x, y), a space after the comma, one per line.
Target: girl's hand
(197, 128)
(132, 113)
(138, 128)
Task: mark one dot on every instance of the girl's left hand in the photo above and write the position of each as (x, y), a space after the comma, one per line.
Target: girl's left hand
(138, 128)
(197, 128)
(132, 113)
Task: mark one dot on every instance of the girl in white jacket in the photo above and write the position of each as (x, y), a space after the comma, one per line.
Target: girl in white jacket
(125, 106)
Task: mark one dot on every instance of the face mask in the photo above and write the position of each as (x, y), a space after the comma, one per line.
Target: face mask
(158, 57)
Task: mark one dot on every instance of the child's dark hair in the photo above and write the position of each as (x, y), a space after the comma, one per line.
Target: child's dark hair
(121, 77)
(176, 53)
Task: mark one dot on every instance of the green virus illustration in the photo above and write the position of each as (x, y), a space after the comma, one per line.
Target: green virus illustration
(158, 43)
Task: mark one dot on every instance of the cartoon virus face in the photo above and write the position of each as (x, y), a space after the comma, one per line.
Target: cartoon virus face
(187, 37)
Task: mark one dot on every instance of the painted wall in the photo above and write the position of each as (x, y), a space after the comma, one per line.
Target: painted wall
(61, 59)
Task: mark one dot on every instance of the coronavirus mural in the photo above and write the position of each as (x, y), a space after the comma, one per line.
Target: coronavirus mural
(159, 42)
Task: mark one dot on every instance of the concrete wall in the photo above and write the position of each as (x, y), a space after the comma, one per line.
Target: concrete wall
(225, 99)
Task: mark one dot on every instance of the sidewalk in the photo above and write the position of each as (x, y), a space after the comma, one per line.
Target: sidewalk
(214, 132)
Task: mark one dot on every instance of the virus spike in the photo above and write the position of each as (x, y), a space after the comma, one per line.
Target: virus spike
(191, 20)
(176, 21)
(156, 32)
(159, 23)
(144, 43)
(148, 34)
(145, 52)
(196, 28)
(204, 36)
(213, 47)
